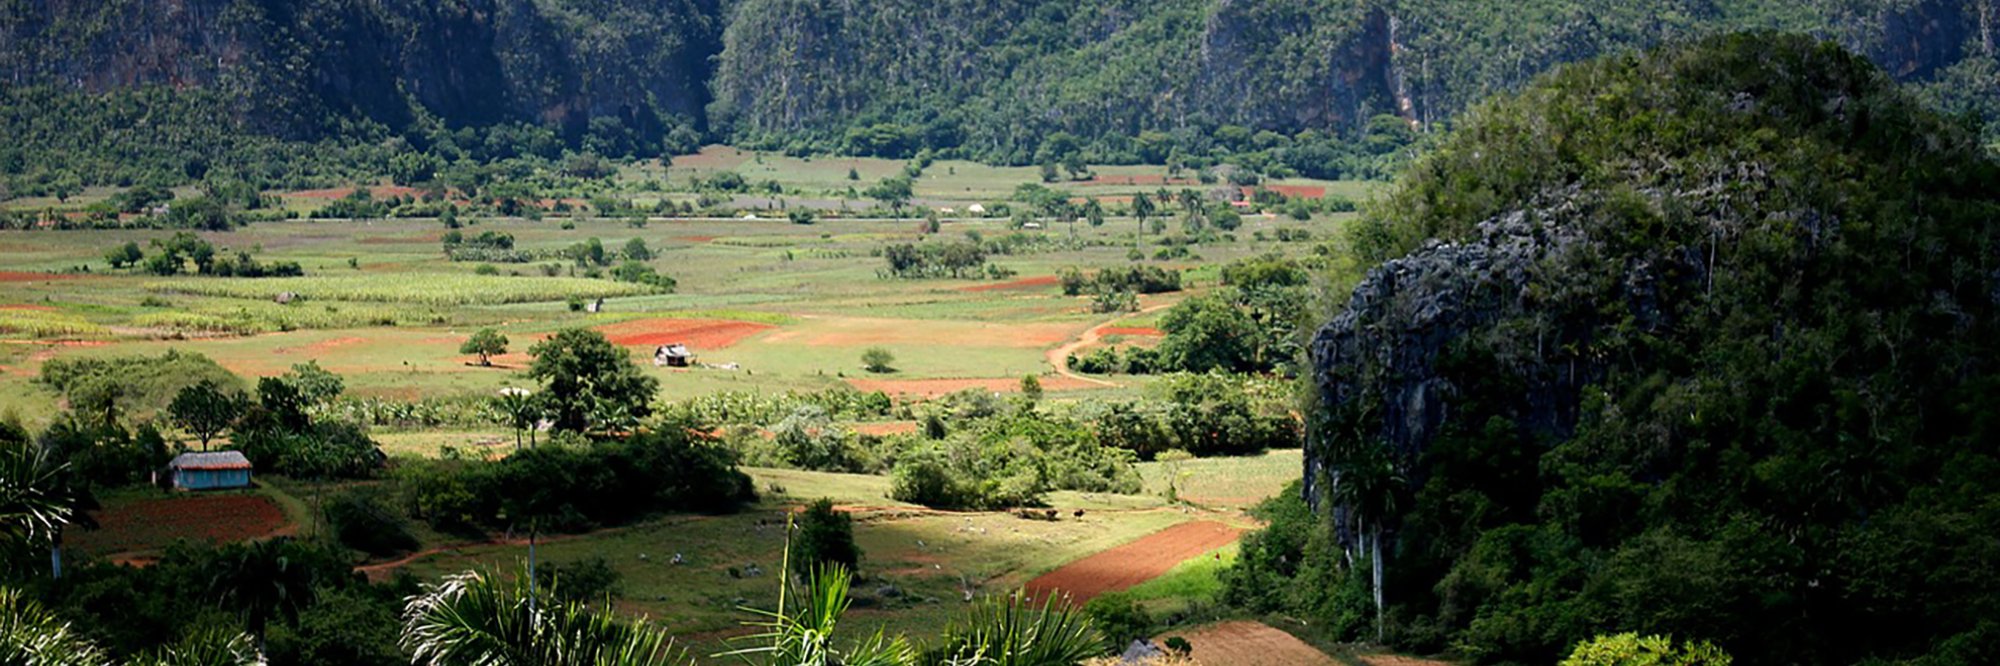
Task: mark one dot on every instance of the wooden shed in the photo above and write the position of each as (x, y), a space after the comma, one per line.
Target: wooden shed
(675, 355)
(210, 471)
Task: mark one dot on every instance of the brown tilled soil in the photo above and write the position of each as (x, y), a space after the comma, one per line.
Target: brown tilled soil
(695, 333)
(1133, 563)
(1293, 191)
(1246, 643)
(931, 388)
(882, 428)
(1130, 331)
(18, 276)
(151, 524)
(1023, 283)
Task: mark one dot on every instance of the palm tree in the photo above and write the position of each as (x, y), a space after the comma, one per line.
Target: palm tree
(262, 579)
(36, 499)
(521, 410)
(804, 636)
(476, 619)
(1369, 484)
(1142, 208)
(1012, 631)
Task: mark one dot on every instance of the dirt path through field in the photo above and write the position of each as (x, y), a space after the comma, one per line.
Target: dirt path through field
(1059, 357)
(1133, 563)
(1246, 643)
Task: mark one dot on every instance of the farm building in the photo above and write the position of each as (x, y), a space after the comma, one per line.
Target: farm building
(210, 471)
(675, 355)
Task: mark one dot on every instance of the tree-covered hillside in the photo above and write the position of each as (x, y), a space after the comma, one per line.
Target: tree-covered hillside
(1140, 80)
(1696, 342)
(108, 92)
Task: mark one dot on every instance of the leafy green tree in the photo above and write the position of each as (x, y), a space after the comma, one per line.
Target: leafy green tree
(636, 250)
(892, 192)
(205, 409)
(124, 255)
(1031, 387)
(589, 383)
(1631, 649)
(824, 537)
(315, 385)
(877, 359)
(487, 343)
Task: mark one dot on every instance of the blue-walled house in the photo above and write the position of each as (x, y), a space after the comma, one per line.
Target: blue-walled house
(210, 471)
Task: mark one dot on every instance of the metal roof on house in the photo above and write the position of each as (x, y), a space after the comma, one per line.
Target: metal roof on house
(210, 460)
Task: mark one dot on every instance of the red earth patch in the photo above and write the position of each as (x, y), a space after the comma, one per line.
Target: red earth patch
(695, 333)
(1133, 563)
(1130, 331)
(18, 276)
(156, 523)
(1023, 283)
(1292, 191)
(931, 388)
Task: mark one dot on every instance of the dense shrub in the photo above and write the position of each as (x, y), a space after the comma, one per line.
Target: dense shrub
(824, 536)
(1010, 460)
(579, 485)
(360, 520)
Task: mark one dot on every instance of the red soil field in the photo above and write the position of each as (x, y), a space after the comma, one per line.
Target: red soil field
(1130, 330)
(1247, 643)
(1293, 191)
(1023, 283)
(931, 388)
(1133, 563)
(1137, 180)
(155, 523)
(18, 276)
(695, 333)
(712, 157)
(881, 428)
(379, 192)
(323, 345)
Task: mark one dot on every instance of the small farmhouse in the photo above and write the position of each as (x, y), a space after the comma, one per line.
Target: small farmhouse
(673, 356)
(210, 471)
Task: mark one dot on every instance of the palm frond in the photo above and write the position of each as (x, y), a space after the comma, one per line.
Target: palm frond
(34, 500)
(1012, 631)
(210, 647)
(475, 619)
(30, 635)
(804, 636)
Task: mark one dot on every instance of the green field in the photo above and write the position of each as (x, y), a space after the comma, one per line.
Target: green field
(383, 307)
(790, 307)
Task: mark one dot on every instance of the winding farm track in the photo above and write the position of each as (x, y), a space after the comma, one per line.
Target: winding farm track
(1058, 357)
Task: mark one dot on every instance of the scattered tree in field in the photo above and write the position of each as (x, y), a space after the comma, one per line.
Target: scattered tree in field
(825, 536)
(801, 216)
(636, 249)
(589, 383)
(487, 343)
(1142, 208)
(892, 192)
(126, 255)
(520, 410)
(852, 174)
(1031, 387)
(1173, 459)
(877, 359)
(205, 409)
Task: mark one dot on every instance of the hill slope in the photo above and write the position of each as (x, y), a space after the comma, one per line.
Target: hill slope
(1704, 345)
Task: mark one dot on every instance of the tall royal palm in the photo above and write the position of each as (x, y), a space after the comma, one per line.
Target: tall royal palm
(1369, 485)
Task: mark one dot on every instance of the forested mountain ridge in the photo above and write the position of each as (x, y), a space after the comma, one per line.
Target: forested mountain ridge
(635, 68)
(1012, 81)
